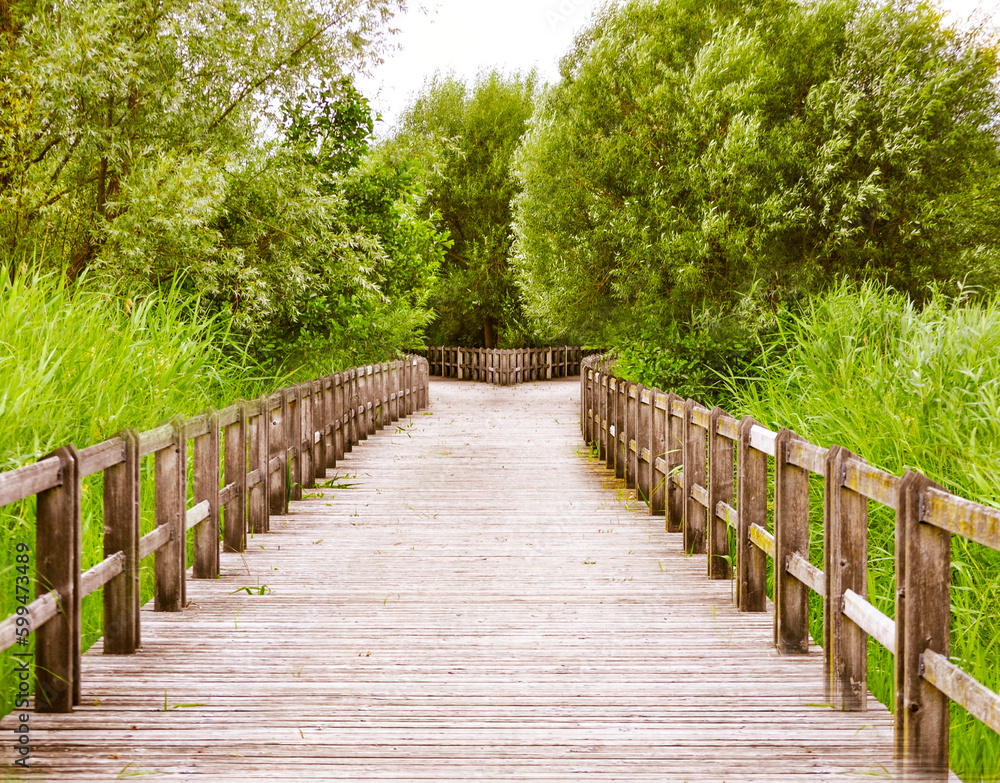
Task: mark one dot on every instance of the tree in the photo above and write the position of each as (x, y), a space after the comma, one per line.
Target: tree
(141, 109)
(461, 139)
(719, 160)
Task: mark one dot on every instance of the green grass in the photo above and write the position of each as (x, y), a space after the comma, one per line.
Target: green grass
(78, 365)
(903, 387)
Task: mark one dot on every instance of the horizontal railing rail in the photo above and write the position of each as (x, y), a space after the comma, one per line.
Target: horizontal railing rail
(504, 367)
(707, 472)
(248, 461)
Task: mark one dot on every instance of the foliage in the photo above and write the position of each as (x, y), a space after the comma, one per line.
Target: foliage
(905, 387)
(719, 161)
(77, 366)
(461, 138)
(214, 144)
(120, 103)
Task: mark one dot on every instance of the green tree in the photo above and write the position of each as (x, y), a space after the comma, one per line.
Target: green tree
(461, 138)
(702, 165)
(122, 119)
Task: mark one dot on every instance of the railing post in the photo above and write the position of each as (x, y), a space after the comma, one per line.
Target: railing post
(360, 407)
(425, 388)
(329, 424)
(318, 427)
(234, 517)
(695, 461)
(644, 442)
(275, 421)
(548, 363)
(57, 567)
(369, 401)
(121, 534)
(304, 439)
(206, 487)
(751, 509)
(293, 444)
(791, 536)
(845, 555)
(338, 418)
(621, 416)
(394, 391)
(720, 490)
(171, 505)
(351, 413)
(657, 451)
(631, 433)
(602, 416)
(927, 585)
(675, 501)
(257, 458)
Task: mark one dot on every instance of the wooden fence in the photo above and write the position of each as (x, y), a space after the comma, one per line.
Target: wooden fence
(693, 464)
(504, 367)
(267, 451)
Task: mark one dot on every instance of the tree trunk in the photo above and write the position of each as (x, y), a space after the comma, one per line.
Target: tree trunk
(490, 331)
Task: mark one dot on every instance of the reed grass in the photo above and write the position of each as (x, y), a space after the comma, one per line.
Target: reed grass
(78, 365)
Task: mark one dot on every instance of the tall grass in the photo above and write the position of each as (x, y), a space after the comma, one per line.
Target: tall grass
(904, 387)
(78, 365)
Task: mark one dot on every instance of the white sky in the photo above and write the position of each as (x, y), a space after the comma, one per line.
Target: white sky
(470, 35)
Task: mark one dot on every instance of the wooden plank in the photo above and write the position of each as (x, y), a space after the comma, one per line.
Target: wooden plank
(805, 455)
(807, 573)
(196, 426)
(763, 540)
(24, 482)
(962, 688)
(230, 415)
(728, 427)
(102, 573)
(870, 620)
(871, 482)
(101, 456)
(197, 514)
(700, 495)
(154, 541)
(727, 514)
(962, 517)
(700, 416)
(228, 493)
(762, 439)
(38, 612)
(157, 439)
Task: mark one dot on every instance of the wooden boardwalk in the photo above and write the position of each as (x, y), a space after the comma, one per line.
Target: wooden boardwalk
(474, 600)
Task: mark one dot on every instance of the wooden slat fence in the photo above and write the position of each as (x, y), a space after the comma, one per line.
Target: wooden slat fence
(504, 367)
(266, 450)
(693, 464)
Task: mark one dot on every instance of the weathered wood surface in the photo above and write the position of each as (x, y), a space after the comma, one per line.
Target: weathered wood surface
(482, 603)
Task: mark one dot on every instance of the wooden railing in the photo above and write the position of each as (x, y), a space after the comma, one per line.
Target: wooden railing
(683, 458)
(267, 451)
(504, 367)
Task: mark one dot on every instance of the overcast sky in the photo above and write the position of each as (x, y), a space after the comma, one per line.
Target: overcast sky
(469, 35)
